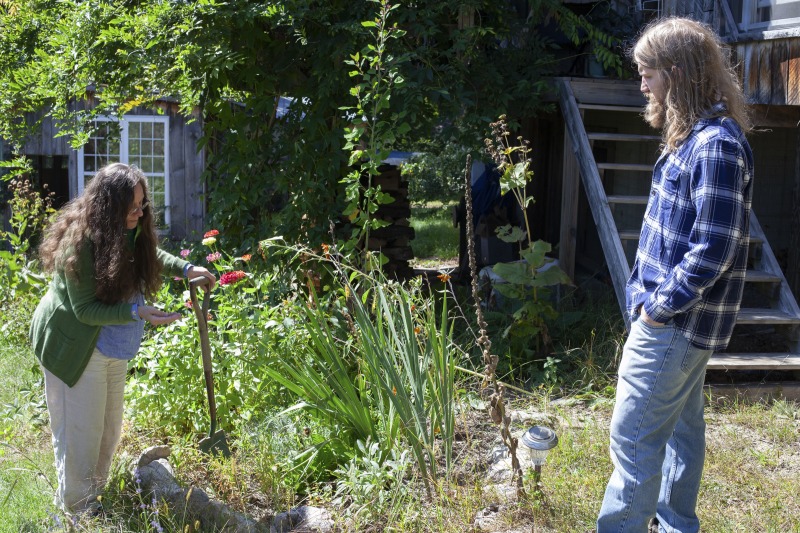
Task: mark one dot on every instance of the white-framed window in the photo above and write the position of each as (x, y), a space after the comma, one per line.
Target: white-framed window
(143, 141)
(766, 14)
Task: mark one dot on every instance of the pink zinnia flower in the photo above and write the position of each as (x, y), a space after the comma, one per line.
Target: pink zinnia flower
(185, 253)
(212, 233)
(213, 257)
(230, 278)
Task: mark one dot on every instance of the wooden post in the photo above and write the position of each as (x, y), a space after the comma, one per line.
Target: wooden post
(569, 208)
(793, 267)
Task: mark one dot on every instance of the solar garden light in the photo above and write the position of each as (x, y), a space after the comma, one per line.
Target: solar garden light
(539, 440)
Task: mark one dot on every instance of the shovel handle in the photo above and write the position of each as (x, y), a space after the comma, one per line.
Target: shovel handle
(201, 312)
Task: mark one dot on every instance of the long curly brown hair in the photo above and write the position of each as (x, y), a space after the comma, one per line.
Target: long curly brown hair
(98, 218)
(697, 72)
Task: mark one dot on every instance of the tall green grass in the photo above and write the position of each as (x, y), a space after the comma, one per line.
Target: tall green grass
(381, 370)
(27, 473)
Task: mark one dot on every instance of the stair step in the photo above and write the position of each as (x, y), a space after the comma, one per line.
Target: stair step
(622, 137)
(600, 107)
(765, 316)
(624, 199)
(759, 276)
(754, 361)
(636, 167)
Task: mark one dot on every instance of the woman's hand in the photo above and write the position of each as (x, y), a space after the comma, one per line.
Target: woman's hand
(156, 316)
(201, 272)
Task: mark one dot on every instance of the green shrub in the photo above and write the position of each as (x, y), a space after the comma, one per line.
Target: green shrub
(436, 176)
(248, 329)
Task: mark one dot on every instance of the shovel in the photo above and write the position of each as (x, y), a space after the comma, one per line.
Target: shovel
(216, 441)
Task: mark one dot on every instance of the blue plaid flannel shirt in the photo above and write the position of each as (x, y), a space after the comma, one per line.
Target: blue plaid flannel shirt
(692, 256)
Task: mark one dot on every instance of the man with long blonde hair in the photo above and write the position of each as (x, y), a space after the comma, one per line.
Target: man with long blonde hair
(686, 284)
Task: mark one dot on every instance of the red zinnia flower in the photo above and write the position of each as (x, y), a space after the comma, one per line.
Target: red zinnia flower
(212, 233)
(230, 278)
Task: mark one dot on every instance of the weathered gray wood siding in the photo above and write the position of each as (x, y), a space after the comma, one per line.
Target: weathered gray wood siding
(45, 142)
(186, 183)
(186, 165)
(770, 67)
(771, 71)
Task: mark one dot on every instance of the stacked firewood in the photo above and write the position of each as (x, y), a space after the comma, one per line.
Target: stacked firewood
(394, 240)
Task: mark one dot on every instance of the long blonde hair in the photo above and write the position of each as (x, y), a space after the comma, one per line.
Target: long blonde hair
(696, 69)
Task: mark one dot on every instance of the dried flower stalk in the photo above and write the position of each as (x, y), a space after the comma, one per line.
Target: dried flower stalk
(497, 407)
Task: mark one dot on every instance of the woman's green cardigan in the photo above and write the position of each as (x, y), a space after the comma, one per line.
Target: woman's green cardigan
(68, 319)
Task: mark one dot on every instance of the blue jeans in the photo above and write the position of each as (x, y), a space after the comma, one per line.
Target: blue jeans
(657, 434)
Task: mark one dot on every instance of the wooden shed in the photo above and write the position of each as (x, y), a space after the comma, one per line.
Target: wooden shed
(160, 141)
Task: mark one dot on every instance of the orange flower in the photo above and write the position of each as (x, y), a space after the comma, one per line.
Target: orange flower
(443, 277)
(413, 307)
(326, 250)
(394, 391)
(212, 233)
(246, 257)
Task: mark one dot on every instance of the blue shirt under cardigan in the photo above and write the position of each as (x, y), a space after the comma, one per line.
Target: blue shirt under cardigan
(692, 255)
(122, 341)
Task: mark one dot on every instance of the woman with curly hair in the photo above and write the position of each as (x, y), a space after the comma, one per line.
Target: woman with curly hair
(102, 251)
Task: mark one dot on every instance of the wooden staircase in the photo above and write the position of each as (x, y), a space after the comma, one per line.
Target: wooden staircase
(767, 332)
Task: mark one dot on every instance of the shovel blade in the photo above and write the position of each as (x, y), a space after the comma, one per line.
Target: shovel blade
(216, 444)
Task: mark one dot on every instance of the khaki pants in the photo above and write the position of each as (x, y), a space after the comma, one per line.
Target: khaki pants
(86, 421)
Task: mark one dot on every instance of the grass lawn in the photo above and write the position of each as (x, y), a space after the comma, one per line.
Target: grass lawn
(27, 473)
(750, 485)
(436, 239)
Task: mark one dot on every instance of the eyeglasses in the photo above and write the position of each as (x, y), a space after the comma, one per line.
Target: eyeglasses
(140, 208)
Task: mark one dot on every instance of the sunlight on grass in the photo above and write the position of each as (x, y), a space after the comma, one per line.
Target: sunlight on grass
(750, 483)
(436, 239)
(26, 469)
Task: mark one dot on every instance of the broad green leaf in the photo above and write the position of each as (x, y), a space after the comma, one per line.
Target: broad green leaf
(509, 233)
(514, 273)
(534, 255)
(552, 276)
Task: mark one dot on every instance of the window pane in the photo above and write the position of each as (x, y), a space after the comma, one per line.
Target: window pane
(157, 188)
(146, 149)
